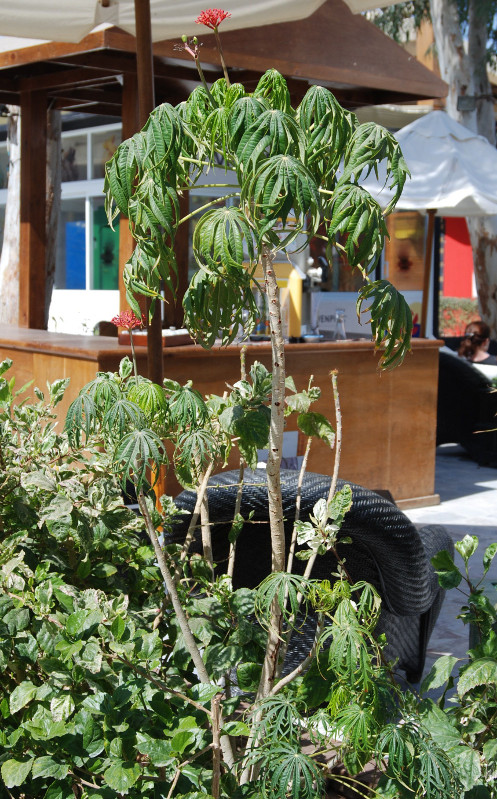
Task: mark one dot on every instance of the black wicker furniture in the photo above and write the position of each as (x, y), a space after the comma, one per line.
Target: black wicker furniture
(387, 550)
(466, 409)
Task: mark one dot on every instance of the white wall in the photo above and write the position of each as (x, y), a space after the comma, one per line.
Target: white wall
(78, 312)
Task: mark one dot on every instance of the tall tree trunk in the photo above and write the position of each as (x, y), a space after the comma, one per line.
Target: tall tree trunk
(466, 74)
(9, 259)
(54, 170)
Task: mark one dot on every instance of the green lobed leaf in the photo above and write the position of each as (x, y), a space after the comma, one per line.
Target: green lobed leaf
(480, 672)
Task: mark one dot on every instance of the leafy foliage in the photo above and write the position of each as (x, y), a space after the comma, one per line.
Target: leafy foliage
(97, 685)
(283, 166)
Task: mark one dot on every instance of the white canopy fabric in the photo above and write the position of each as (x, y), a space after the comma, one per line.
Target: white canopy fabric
(71, 20)
(453, 170)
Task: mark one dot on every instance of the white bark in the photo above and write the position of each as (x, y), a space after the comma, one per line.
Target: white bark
(9, 259)
(466, 74)
(54, 170)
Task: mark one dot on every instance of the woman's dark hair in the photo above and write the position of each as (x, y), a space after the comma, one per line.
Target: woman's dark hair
(476, 333)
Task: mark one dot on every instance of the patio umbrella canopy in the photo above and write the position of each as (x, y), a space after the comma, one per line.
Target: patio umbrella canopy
(71, 20)
(453, 170)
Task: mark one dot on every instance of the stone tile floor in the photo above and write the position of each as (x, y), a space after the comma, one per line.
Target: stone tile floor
(468, 505)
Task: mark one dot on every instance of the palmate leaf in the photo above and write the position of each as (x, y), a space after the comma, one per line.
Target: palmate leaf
(391, 321)
(272, 133)
(396, 742)
(273, 88)
(348, 639)
(216, 128)
(435, 772)
(243, 112)
(137, 452)
(104, 391)
(214, 307)
(120, 174)
(369, 145)
(281, 187)
(154, 208)
(329, 127)
(356, 216)
(357, 724)
(280, 720)
(163, 139)
(122, 415)
(283, 588)
(194, 448)
(291, 773)
(81, 418)
(218, 241)
(149, 263)
(187, 407)
(150, 397)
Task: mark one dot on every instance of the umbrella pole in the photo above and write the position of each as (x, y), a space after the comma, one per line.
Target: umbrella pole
(146, 104)
(427, 272)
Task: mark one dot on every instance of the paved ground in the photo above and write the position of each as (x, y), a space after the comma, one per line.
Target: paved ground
(468, 495)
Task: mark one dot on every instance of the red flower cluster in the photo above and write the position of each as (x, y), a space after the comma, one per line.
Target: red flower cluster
(212, 17)
(128, 320)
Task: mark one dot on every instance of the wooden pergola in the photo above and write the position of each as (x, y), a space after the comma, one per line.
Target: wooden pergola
(98, 75)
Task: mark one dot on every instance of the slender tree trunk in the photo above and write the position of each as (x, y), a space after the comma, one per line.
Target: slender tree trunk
(275, 507)
(9, 259)
(54, 169)
(466, 74)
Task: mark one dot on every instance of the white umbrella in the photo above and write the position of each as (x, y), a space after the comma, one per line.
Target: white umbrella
(453, 173)
(453, 170)
(71, 20)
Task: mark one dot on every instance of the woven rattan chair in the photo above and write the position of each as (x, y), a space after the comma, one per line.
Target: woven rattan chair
(466, 409)
(387, 550)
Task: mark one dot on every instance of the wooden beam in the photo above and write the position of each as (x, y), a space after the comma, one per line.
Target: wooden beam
(33, 236)
(61, 78)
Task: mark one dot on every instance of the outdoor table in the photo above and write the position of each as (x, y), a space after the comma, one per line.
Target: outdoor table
(388, 418)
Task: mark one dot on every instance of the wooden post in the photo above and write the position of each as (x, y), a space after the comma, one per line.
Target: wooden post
(427, 271)
(130, 125)
(33, 235)
(146, 104)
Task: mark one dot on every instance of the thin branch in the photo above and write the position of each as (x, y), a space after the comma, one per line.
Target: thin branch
(183, 764)
(298, 498)
(288, 678)
(184, 626)
(159, 683)
(238, 504)
(216, 745)
(196, 513)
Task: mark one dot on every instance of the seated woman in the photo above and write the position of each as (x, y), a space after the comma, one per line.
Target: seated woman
(474, 346)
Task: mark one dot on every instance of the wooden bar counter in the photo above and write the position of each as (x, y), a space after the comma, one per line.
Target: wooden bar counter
(389, 418)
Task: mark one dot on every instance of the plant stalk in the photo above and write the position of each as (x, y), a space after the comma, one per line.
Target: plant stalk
(190, 642)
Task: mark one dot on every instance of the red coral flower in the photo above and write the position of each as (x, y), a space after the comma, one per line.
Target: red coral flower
(212, 17)
(127, 319)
